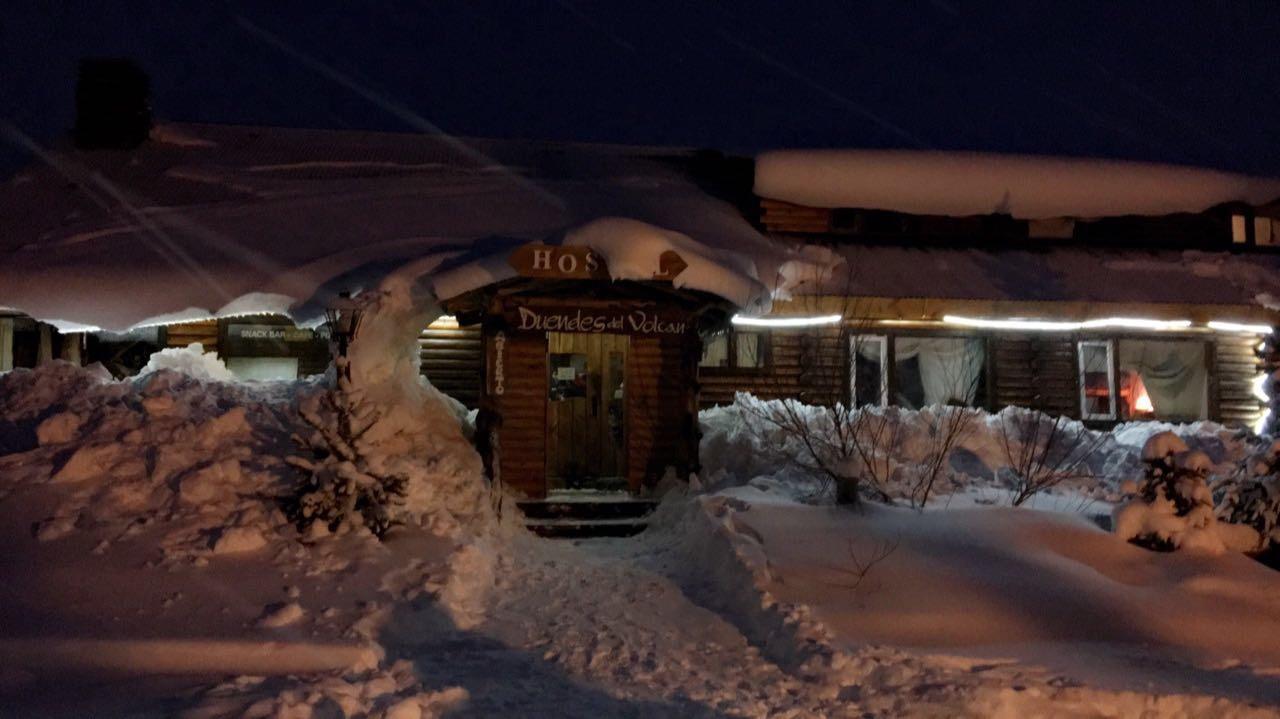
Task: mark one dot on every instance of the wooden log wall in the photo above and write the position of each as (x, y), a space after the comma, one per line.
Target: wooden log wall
(522, 407)
(661, 408)
(779, 216)
(1235, 364)
(452, 359)
(1036, 371)
(810, 365)
(205, 332)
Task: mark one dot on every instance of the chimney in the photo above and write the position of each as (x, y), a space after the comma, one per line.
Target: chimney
(113, 104)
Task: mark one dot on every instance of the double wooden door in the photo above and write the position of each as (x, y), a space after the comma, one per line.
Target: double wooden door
(586, 411)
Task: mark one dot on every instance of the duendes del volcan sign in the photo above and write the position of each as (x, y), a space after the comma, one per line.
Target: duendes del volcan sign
(597, 321)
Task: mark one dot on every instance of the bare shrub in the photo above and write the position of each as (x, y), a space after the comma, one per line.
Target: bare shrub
(860, 565)
(948, 425)
(1043, 452)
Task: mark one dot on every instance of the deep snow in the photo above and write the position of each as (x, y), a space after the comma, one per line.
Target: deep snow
(149, 574)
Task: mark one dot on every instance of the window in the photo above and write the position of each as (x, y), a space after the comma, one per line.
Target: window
(1266, 231)
(1097, 380)
(1163, 379)
(937, 371)
(263, 368)
(735, 350)
(869, 381)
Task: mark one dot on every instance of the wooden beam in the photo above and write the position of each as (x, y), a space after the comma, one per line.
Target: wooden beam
(6, 343)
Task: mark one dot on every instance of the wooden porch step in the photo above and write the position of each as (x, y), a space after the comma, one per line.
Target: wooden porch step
(584, 515)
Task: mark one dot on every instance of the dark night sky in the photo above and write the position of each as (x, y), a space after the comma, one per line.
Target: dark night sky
(1177, 81)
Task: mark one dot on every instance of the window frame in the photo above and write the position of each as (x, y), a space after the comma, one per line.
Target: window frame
(1114, 400)
(731, 350)
(855, 357)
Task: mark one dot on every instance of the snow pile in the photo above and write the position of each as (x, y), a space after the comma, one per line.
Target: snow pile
(192, 361)
(1026, 187)
(989, 611)
(738, 447)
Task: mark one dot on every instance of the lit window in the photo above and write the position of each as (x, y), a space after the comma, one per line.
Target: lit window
(1097, 380)
(263, 368)
(870, 371)
(1264, 232)
(1239, 230)
(1163, 379)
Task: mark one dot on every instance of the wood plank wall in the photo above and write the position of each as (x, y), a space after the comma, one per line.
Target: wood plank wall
(205, 332)
(522, 407)
(661, 409)
(1036, 371)
(452, 359)
(810, 365)
(1235, 365)
(779, 216)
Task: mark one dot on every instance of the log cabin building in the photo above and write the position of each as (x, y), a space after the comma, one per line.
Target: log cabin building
(1102, 319)
(587, 348)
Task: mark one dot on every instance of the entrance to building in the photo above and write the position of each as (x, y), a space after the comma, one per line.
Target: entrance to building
(586, 411)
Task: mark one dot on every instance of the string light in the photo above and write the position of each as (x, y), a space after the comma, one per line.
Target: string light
(1066, 326)
(787, 321)
(1223, 326)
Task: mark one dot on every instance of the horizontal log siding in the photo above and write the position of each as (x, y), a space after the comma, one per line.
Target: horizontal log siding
(661, 407)
(205, 332)
(452, 361)
(1035, 371)
(522, 412)
(810, 365)
(1235, 364)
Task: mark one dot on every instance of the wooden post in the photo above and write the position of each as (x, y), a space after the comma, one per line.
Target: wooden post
(6, 343)
(44, 348)
(70, 349)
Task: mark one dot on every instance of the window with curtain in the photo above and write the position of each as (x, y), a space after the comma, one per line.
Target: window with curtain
(937, 371)
(735, 350)
(925, 370)
(1163, 379)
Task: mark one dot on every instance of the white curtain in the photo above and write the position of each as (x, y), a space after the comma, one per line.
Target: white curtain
(1174, 374)
(949, 366)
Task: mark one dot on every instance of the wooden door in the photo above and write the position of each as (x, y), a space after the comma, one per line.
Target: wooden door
(585, 410)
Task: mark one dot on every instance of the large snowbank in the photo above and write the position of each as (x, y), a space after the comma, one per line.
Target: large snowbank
(1027, 187)
(989, 611)
(737, 447)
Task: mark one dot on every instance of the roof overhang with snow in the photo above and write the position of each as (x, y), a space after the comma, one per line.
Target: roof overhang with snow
(963, 184)
(209, 221)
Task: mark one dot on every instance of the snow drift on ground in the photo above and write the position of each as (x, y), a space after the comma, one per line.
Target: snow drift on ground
(986, 612)
(964, 183)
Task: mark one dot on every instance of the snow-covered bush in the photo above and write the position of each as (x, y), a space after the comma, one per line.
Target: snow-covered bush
(1173, 507)
(192, 361)
(340, 483)
(1252, 498)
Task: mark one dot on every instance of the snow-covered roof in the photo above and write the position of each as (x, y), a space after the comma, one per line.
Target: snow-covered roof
(1054, 273)
(964, 184)
(218, 220)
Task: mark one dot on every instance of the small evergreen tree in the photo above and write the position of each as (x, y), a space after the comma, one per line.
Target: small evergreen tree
(339, 484)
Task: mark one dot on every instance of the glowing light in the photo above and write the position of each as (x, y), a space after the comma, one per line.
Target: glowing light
(444, 322)
(1223, 326)
(1258, 390)
(1262, 421)
(787, 321)
(1065, 326)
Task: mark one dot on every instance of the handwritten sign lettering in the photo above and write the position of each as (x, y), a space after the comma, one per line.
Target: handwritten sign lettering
(598, 321)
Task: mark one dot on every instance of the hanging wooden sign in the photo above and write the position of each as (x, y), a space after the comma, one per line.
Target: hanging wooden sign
(597, 320)
(572, 262)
